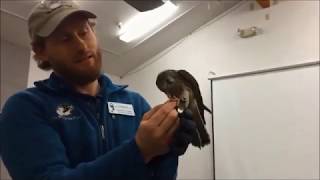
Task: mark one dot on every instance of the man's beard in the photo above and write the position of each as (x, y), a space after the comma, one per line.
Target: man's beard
(79, 76)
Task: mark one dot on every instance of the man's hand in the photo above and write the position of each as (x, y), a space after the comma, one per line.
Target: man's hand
(156, 129)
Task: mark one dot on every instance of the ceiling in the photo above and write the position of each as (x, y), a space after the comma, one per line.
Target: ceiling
(119, 57)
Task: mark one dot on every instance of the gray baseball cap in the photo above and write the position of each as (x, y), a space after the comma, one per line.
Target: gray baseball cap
(48, 14)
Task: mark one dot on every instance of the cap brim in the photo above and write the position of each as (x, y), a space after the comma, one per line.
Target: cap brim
(56, 20)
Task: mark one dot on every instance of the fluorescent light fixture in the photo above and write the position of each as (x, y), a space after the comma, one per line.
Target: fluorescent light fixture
(144, 22)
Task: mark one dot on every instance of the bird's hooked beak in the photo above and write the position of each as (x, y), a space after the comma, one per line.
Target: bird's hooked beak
(179, 108)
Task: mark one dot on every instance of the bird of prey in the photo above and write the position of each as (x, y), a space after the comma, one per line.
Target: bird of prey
(181, 85)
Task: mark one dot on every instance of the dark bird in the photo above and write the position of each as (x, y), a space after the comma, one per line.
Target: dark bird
(182, 85)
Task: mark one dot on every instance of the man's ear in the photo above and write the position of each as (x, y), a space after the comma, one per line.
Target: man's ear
(40, 53)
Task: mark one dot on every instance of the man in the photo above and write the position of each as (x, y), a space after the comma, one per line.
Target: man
(78, 125)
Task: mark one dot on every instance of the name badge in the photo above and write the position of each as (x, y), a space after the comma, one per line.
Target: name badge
(121, 108)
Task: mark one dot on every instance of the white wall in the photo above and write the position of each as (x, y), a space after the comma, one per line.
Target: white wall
(14, 69)
(290, 36)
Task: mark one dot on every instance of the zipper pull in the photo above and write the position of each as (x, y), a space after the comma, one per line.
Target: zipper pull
(102, 132)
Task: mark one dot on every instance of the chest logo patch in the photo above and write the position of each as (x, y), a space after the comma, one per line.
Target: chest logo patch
(64, 110)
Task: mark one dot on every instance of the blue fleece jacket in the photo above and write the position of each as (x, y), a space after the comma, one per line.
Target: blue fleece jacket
(52, 132)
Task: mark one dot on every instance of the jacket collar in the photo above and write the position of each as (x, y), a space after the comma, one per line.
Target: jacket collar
(59, 85)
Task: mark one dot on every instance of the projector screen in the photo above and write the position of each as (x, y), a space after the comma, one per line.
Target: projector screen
(267, 126)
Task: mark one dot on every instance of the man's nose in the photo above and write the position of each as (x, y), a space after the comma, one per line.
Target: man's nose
(81, 44)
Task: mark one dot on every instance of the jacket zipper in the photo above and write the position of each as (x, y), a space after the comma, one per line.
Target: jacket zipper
(101, 129)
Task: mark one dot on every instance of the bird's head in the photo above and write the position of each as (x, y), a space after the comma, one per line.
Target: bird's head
(170, 83)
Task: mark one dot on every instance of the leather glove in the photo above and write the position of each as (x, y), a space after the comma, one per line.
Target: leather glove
(184, 133)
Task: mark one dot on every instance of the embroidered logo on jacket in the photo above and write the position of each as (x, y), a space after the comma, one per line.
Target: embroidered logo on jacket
(64, 110)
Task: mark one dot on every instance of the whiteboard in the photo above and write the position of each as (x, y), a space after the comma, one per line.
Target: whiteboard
(267, 126)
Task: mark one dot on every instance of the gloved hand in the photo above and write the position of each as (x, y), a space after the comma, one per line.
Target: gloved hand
(184, 134)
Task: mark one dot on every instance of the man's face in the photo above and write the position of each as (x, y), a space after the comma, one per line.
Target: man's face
(73, 51)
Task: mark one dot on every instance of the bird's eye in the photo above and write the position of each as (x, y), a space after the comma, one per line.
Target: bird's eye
(170, 81)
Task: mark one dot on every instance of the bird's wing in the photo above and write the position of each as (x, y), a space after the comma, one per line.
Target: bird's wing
(201, 138)
(192, 83)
